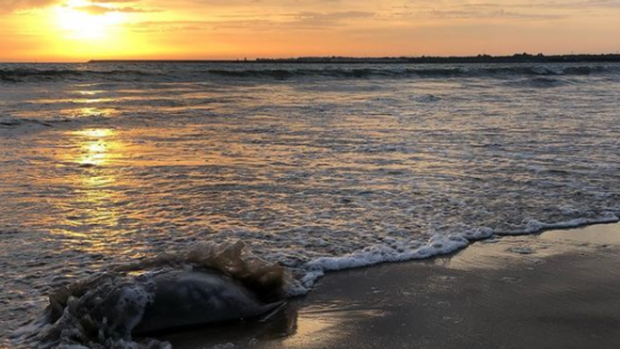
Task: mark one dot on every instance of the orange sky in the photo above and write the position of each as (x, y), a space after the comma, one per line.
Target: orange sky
(78, 30)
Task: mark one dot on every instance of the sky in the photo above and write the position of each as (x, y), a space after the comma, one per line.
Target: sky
(79, 30)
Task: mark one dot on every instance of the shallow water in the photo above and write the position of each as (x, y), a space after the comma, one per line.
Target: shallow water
(315, 167)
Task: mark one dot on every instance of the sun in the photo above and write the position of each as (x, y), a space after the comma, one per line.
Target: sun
(76, 21)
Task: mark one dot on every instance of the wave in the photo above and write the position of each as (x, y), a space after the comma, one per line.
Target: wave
(401, 251)
(539, 82)
(153, 294)
(43, 75)
(448, 72)
(267, 72)
(209, 283)
(10, 122)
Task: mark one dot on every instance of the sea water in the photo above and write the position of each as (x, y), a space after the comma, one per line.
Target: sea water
(315, 167)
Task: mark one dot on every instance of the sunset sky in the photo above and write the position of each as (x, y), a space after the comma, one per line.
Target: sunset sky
(77, 30)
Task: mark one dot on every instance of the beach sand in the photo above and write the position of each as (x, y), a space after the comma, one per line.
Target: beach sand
(559, 289)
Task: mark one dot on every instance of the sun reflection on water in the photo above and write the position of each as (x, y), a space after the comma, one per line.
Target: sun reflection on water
(94, 211)
(88, 93)
(96, 146)
(90, 111)
(92, 100)
(96, 132)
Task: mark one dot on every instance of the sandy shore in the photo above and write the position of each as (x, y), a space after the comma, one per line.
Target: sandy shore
(560, 289)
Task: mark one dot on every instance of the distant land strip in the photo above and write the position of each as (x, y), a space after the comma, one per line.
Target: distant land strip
(517, 58)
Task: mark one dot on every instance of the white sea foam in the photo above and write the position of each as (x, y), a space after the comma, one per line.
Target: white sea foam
(401, 251)
(534, 226)
(105, 310)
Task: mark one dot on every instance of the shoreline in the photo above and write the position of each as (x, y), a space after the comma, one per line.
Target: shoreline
(555, 289)
(439, 246)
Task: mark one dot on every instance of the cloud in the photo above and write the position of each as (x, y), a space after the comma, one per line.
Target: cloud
(97, 7)
(549, 5)
(291, 21)
(511, 10)
(486, 14)
(14, 5)
(579, 5)
(102, 10)
(315, 19)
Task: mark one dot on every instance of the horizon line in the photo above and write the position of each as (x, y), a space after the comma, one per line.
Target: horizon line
(524, 56)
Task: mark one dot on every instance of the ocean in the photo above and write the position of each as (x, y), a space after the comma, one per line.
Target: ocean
(314, 167)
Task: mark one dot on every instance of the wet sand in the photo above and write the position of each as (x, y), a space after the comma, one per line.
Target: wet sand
(560, 289)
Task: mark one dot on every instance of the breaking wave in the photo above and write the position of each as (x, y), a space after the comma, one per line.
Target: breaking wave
(417, 72)
(179, 72)
(104, 311)
(43, 75)
(111, 308)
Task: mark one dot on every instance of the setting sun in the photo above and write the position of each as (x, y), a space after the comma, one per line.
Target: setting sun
(77, 22)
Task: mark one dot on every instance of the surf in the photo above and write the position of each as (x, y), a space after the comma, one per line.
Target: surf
(209, 284)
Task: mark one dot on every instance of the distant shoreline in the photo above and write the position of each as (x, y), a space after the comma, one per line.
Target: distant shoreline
(517, 58)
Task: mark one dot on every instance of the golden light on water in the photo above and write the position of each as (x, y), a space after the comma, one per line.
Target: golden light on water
(95, 146)
(96, 132)
(91, 111)
(322, 326)
(95, 206)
